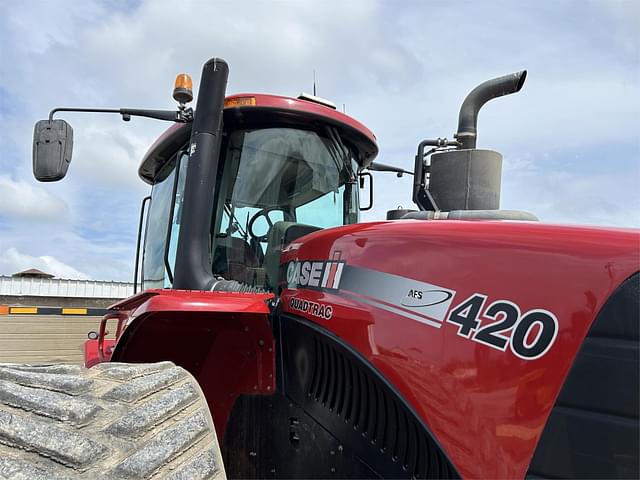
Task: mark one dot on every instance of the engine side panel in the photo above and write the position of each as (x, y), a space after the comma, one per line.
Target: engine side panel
(349, 398)
(476, 324)
(593, 430)
(333, 416)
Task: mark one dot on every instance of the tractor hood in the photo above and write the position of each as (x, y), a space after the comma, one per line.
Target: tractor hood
(473, 320)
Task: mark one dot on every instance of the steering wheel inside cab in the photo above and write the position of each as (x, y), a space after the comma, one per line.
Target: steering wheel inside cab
(261, 223)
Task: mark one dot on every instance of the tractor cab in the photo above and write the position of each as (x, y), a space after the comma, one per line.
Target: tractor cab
(287, 167)
(232, 182)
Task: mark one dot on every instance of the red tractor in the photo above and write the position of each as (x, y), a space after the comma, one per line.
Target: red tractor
(455, 340)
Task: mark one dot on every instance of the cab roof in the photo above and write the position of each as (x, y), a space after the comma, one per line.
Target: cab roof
(264, 109)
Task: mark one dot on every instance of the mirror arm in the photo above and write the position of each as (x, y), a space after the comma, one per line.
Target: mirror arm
(183, 115)
(381, 167)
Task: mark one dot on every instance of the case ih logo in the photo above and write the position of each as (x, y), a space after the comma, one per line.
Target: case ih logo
(315, 274)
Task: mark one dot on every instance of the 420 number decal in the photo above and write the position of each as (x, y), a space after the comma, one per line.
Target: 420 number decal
(531, 333)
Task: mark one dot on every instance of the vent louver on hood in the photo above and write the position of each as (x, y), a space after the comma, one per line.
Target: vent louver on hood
(350, 399)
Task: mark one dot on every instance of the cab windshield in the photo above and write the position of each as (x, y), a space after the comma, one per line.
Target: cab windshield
(276, 184)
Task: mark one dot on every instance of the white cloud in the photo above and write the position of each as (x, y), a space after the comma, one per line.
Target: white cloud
(13, 261)
(561, 195)
(108, 156)
(25, 201)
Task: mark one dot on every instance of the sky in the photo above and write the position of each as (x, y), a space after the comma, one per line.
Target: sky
(570, 139)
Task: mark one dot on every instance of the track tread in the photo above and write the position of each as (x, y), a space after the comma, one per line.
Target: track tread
(45, 368)
(121, 371)
(55, 405)
(163, 448)
(200, 468)
(143, 386)
(114, 421)
(153, 412)
(58, 382)
(15, 469)
(68, 448)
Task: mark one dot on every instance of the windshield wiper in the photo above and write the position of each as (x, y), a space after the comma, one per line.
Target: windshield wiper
(234, 223)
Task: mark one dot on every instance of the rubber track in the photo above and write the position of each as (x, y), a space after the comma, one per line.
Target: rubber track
(115, 420)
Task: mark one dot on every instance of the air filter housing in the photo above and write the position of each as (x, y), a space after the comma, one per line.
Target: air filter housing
(466, 179)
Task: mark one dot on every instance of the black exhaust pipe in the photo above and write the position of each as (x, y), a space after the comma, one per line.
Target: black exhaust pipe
(193, 269)
(468, 118)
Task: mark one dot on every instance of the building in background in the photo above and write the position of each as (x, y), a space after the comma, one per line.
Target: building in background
(32, 273)
(44, 319)
(36, 288)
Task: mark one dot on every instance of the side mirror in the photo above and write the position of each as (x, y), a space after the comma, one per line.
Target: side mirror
(362, 178)
(52, 146)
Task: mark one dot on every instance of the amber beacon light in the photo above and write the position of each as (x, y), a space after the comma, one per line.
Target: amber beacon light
(183, 89)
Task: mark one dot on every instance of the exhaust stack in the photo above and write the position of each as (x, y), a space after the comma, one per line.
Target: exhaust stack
(468, 119)
(458, 175)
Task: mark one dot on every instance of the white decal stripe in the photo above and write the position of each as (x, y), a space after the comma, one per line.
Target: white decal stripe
(336, 279)
(395, 289)
(325, 277)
